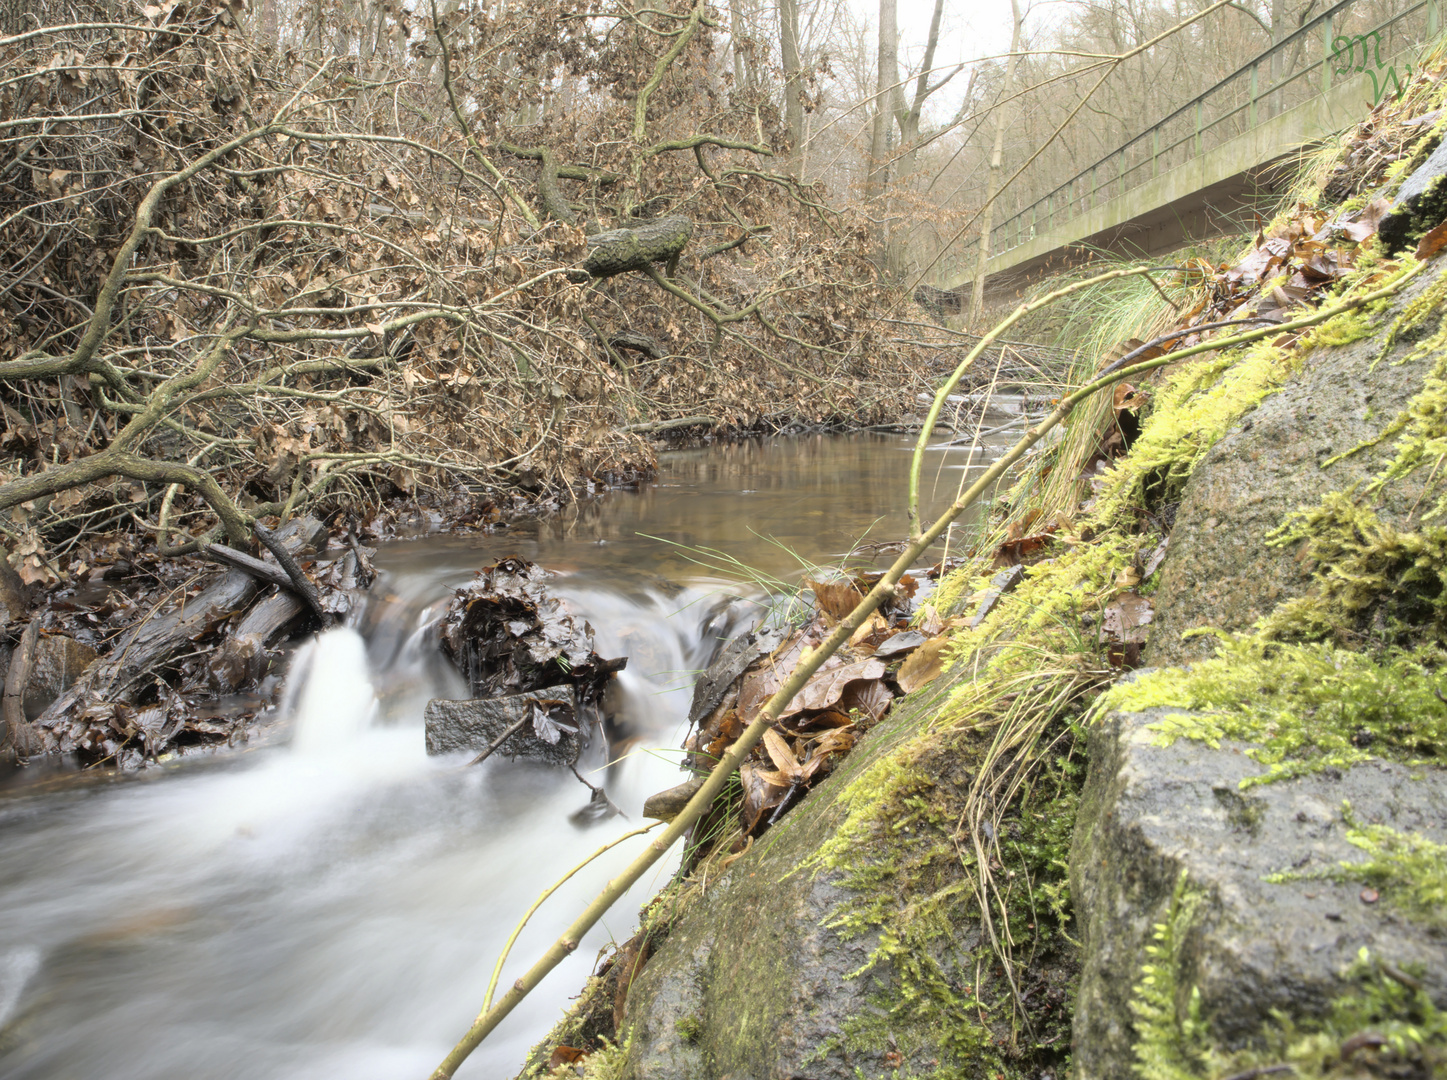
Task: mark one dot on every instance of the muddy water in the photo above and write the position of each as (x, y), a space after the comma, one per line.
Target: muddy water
(331, 905)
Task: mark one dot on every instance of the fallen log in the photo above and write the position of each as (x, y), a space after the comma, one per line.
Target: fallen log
(618, 251)
(245, 654)
(147, 649)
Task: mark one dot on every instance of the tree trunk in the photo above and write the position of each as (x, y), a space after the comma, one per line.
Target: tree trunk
(987, 215)
(789, 45)
(908, 119)
(877, 179)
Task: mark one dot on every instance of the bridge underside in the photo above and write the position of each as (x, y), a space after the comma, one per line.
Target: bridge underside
(1222, 191)
(1233, 205)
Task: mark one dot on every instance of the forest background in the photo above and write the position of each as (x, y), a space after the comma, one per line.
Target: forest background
(331, 253)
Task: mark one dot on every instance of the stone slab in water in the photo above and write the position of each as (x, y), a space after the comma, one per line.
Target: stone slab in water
(1150, 812)
(475, 724)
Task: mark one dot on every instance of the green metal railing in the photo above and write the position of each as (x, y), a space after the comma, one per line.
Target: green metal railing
(1302, 66)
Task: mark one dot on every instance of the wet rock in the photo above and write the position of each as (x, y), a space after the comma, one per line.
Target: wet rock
(1149, 813)
(1218, 570)
(1003, 582)
(732, 661)
(507, 633)
(54, 667)
(475, 724)
(13, 604)
(1421, 203)
(752, 981)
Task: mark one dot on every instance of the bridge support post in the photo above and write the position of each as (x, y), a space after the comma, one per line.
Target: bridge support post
(1156, 152)
(1328, 36)
(1200, 118)
(1434, 17)
(1255, 82)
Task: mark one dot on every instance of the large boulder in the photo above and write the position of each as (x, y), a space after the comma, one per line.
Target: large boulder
(1152, 813)
(1220, 571)
(778, 970)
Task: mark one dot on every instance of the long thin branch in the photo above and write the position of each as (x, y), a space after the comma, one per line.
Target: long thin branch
(655, 80)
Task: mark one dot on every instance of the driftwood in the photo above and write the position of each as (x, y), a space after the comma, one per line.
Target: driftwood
(244, 656)
(155, 642)
(618, 251)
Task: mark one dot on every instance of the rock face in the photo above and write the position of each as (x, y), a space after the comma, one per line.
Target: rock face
(1150, 813)
(1421, 203)
(56, 664)
(474, 725)
(751, 984)
(1219, 571)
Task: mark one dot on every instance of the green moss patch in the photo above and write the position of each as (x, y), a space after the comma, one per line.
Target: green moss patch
(1410, 870)
(1305, 707)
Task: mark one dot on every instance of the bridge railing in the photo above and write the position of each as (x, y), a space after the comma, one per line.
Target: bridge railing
(1339, 43)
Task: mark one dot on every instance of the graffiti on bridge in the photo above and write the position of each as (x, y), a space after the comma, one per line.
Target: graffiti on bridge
(1344, 60)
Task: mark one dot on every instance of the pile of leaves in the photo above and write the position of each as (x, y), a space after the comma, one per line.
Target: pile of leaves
(846, 697)
(507, 634)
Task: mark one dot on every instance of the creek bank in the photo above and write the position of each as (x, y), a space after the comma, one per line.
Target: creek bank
(154, 655)
(1222, 925)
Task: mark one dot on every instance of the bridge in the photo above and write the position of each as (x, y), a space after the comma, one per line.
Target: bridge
(1212, 164)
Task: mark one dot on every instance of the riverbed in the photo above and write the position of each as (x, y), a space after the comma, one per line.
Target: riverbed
(330, 901)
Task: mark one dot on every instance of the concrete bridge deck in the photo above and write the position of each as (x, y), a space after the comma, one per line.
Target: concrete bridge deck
(1212, 165)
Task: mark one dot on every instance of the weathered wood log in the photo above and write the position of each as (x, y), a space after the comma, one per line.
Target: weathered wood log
(655, 426)
(151, 645)
(258, 568)
(19, 738)
(299, 583)
(245, 654)
(633, 341)
(618, 251)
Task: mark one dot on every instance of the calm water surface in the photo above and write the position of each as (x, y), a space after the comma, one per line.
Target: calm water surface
(332, 905)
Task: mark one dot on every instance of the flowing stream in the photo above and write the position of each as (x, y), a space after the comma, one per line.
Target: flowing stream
(330, 902)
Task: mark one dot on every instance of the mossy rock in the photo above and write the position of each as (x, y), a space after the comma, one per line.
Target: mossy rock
(1282, 896)
(773, 973)
(1222, 570)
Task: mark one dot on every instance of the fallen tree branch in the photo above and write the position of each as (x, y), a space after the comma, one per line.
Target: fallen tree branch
(499, 741)
(298, 581)
(669, 425)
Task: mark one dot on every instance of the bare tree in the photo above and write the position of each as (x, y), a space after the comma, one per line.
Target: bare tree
(977, 293)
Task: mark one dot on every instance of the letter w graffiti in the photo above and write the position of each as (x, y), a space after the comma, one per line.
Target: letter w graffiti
(1344, 49)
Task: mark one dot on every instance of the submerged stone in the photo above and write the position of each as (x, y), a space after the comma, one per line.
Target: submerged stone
(475, 724)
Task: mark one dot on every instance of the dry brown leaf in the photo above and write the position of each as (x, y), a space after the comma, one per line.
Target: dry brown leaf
(871, 698)
(836, 598)
(1432, 242)
(826, 687)
(783, 758)
(924, 664)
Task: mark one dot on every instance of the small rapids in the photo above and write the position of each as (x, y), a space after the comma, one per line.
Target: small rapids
(330, 902)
